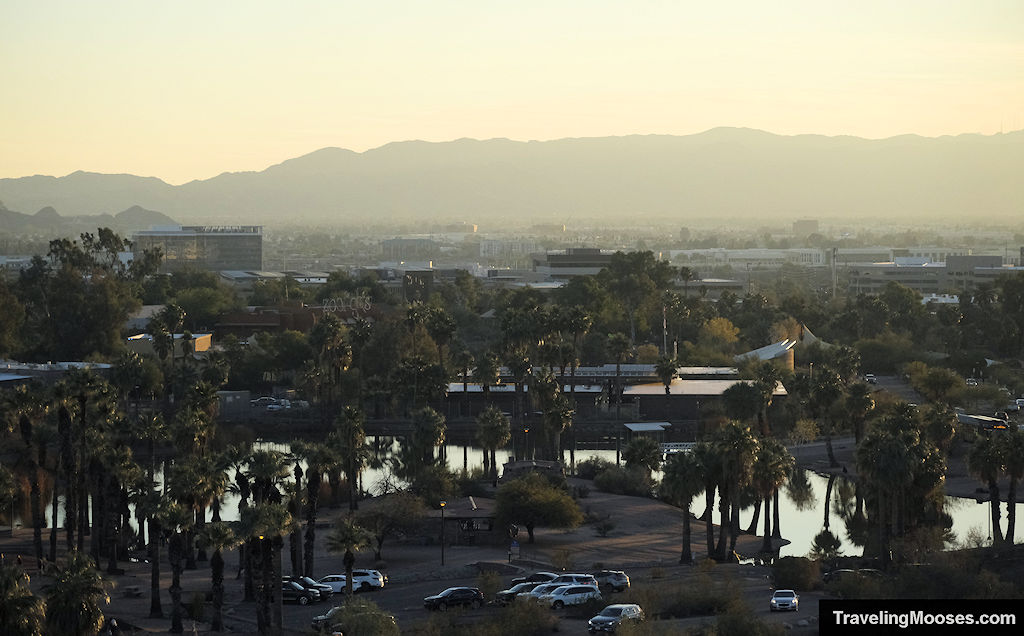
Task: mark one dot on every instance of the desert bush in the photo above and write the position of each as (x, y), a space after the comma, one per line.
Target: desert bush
(591, 466)
(624, 481)
(489, 583)
(562, 560)
(604, 528)
(739, 620)
(361, 617)
(797, 573)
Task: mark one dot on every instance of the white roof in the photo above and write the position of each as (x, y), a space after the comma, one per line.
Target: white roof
(693, 388)
(648, 427)
(769, 352)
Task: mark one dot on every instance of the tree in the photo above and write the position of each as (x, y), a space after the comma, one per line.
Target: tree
(320, 458)
(1015, 471)
(619, 347)
(218, 536)
(493, 431)
(772, 467)
(20, 611)
(643, 453)
(349, 444)
(348, 537)
(859, 404)
(531, 500)
(683, 481)
(665, 368)
(75, 598)
(392, 515)
(987, 461)
(738, 449)
(742, 401)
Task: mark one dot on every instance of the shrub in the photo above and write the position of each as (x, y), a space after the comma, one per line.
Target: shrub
(739, 620)
(562, 559)
(624, 481)
(797, 573)
(591, 466)
(603, 528)
(360, 617)
(489, 583)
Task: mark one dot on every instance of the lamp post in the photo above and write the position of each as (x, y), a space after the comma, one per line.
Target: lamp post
(526, 442)
(443, 504)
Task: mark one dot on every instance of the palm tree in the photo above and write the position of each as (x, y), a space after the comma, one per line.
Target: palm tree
(349, 443)
(463, 360)
(739, 449)
(987, 461)
(859, 404)
(771, 469)
(320, 458)
(665, 368)
(683, 480)
(218, 536)
(348, 537)
(643, 453)
(619, 346)
(1015, 470)
(493, 431)
(686, 275)
(178, 521)
(20, 611)
(766, 380)
(261, 526)
(75, 598)
(708, 457)
(26, 408)
(486, 373)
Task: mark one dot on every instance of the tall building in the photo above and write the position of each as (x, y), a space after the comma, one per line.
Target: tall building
(215, 248)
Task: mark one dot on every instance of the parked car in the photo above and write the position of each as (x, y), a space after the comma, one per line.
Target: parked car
(325, 591)
(784, 601)
(612, 616)
(504, 597)
(538, 591)
(334, 620)
(464, 596)
(570, 595)
(614, 579)
(292, 591)
(362, 581)
(870, 378)
(575, 579)
(263, 402)
(972, 382)
(536, 577)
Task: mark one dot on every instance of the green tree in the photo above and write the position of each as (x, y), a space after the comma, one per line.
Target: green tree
(643, 453)
(532, 501)
(218, 536)
(320, 459)
(348, 537)
(619, 346)
(683, 481)
(493, 431)
(1015, 471)
(738, 449)
(392, 515)
(20, 611)
(75, 598)
(987, 461)
(771, 469)
(349, 444)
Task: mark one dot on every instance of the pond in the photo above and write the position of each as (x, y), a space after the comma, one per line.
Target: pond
(802, 514)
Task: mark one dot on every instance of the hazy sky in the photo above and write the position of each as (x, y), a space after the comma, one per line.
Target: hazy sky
(186, 90)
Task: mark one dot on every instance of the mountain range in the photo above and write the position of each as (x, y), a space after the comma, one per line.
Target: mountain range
(724, 173)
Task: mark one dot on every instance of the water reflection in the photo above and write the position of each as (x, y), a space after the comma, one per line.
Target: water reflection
(807, 505)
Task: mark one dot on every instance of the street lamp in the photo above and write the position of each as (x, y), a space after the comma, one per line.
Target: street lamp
(443, 504)
(526, 442)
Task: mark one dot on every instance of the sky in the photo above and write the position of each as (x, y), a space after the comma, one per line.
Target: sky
(190, 89)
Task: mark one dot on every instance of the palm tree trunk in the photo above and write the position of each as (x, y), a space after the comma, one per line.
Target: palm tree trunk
(752, 528)
(766, 542)
(1011, 510)
(724, 508)
(174, 554)
(686, 556)
(831, 454)
(997, 532)
(776, 528)
(734, 528)
(155, 609)
(37, 515)
(313, 481)
(828, 498)
(709, 522)
(217, 589)
(54, 509)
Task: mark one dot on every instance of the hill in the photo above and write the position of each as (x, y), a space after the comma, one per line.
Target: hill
(725, 173)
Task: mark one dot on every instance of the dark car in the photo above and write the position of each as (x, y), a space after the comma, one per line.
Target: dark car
(505, 597)
(616, 580)
(325, 591)
(536, 577)
(453, 596)
(292, 591)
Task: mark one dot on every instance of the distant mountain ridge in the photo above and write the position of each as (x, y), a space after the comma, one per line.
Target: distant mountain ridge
(724, 173)
(49, 222)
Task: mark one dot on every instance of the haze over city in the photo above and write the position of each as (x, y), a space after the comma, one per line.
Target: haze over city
(190, 90)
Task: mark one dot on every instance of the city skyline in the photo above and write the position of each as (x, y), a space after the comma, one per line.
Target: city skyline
(190, 91)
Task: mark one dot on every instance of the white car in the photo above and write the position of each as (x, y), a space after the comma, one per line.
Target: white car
(570, 595)
(784, 601)
(576, 579)
(541, 589)
(362, 581)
